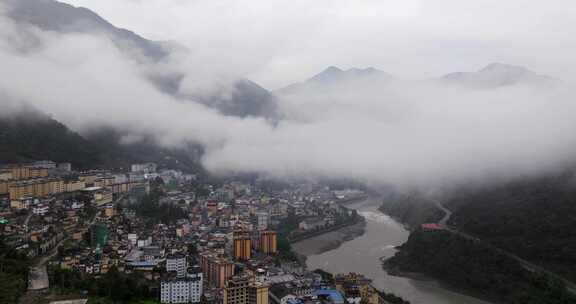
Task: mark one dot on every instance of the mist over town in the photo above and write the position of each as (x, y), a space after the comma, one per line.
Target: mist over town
(260, 145)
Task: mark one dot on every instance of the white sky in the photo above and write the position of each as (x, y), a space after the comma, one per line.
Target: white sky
(276, 42)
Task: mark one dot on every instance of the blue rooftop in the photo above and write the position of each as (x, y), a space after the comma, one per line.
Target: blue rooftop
(333, 294)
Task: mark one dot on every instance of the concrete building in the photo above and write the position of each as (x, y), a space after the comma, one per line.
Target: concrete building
(177, 290)
(38, 187)
(144, 168)
(356, 288)
(41, 209)
(268, 243)
(216, 269)
(5, 174)
(244, 289)
(65, 167)
(242, 245)
(262, 220)
(177, 263)
(73, 186)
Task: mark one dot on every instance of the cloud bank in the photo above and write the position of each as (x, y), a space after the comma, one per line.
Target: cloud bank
(394, 132)
(277, 42)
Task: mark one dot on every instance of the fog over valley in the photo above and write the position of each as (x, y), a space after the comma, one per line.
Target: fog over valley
(493, 120)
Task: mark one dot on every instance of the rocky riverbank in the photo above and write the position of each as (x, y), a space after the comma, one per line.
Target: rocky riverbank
(329, 240)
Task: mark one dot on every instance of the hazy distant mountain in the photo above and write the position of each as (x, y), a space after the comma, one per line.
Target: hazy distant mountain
(29, 135)
(498, 75)
(61, 17)
(333, 76)
(247, 99)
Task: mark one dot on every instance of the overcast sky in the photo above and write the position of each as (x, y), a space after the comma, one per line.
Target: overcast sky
(276, 42)
(400, 132)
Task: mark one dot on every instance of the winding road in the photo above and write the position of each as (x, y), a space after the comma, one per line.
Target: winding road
(570, 286)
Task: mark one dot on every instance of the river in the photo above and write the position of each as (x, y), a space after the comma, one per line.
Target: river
(363, 254)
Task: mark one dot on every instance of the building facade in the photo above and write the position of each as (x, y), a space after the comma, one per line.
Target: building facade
(244, 289)
(242, 246)
(177, 263)
(187, 289)
(268, 243)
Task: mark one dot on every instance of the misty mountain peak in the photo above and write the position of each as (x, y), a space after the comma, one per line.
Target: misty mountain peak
(497, 67)
(335, 74)
(332, 69)
(498, 75)
(332, 76)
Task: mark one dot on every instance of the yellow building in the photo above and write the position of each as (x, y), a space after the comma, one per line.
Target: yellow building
(103, 197)
(20, 172)
(4, 185)
(104, 181)
(268, 242)
(258, 293)
(57, 186)
(39, 187)
(244, 289)
(5, 174)
(38, 172)
(72, 186)
(23, 172)
(242, 245)
(356, 284)
(88, 177)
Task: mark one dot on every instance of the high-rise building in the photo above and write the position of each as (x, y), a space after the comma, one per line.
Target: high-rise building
(242, 245)
(268, 242)
(177, 263)
(216, 269)
(180, 290)
(243, 289)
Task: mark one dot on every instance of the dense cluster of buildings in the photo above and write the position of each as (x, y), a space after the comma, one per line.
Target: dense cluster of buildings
(225, 249)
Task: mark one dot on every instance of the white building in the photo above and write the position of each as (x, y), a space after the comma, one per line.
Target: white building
(262, 220)
(144, 168)
(182, 290)
(143, 242)
(65, 166)
(177, 263)
(41, 209)
(133, 238)
(46, 164)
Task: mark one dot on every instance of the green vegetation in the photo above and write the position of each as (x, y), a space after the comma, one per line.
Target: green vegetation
(112, 287)
(392, 298)
(477, 267)
(283, 231)
(534, 218)
(150, 208)
(411, 210)
(31, 135)
(13, 274)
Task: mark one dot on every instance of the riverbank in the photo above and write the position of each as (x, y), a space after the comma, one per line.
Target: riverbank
(471, 267)
(329, 240)
(362, 255)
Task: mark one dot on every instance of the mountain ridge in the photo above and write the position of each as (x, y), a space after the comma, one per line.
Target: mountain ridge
(498, 74)
(247, 98)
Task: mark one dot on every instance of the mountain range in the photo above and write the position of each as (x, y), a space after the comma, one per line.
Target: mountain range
(333, 76)
(246, 99)
(498, 75)
(492, 76)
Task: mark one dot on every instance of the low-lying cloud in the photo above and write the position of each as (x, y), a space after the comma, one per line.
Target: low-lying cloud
(397, 132)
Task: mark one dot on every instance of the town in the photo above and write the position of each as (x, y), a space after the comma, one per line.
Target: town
(162, 236)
